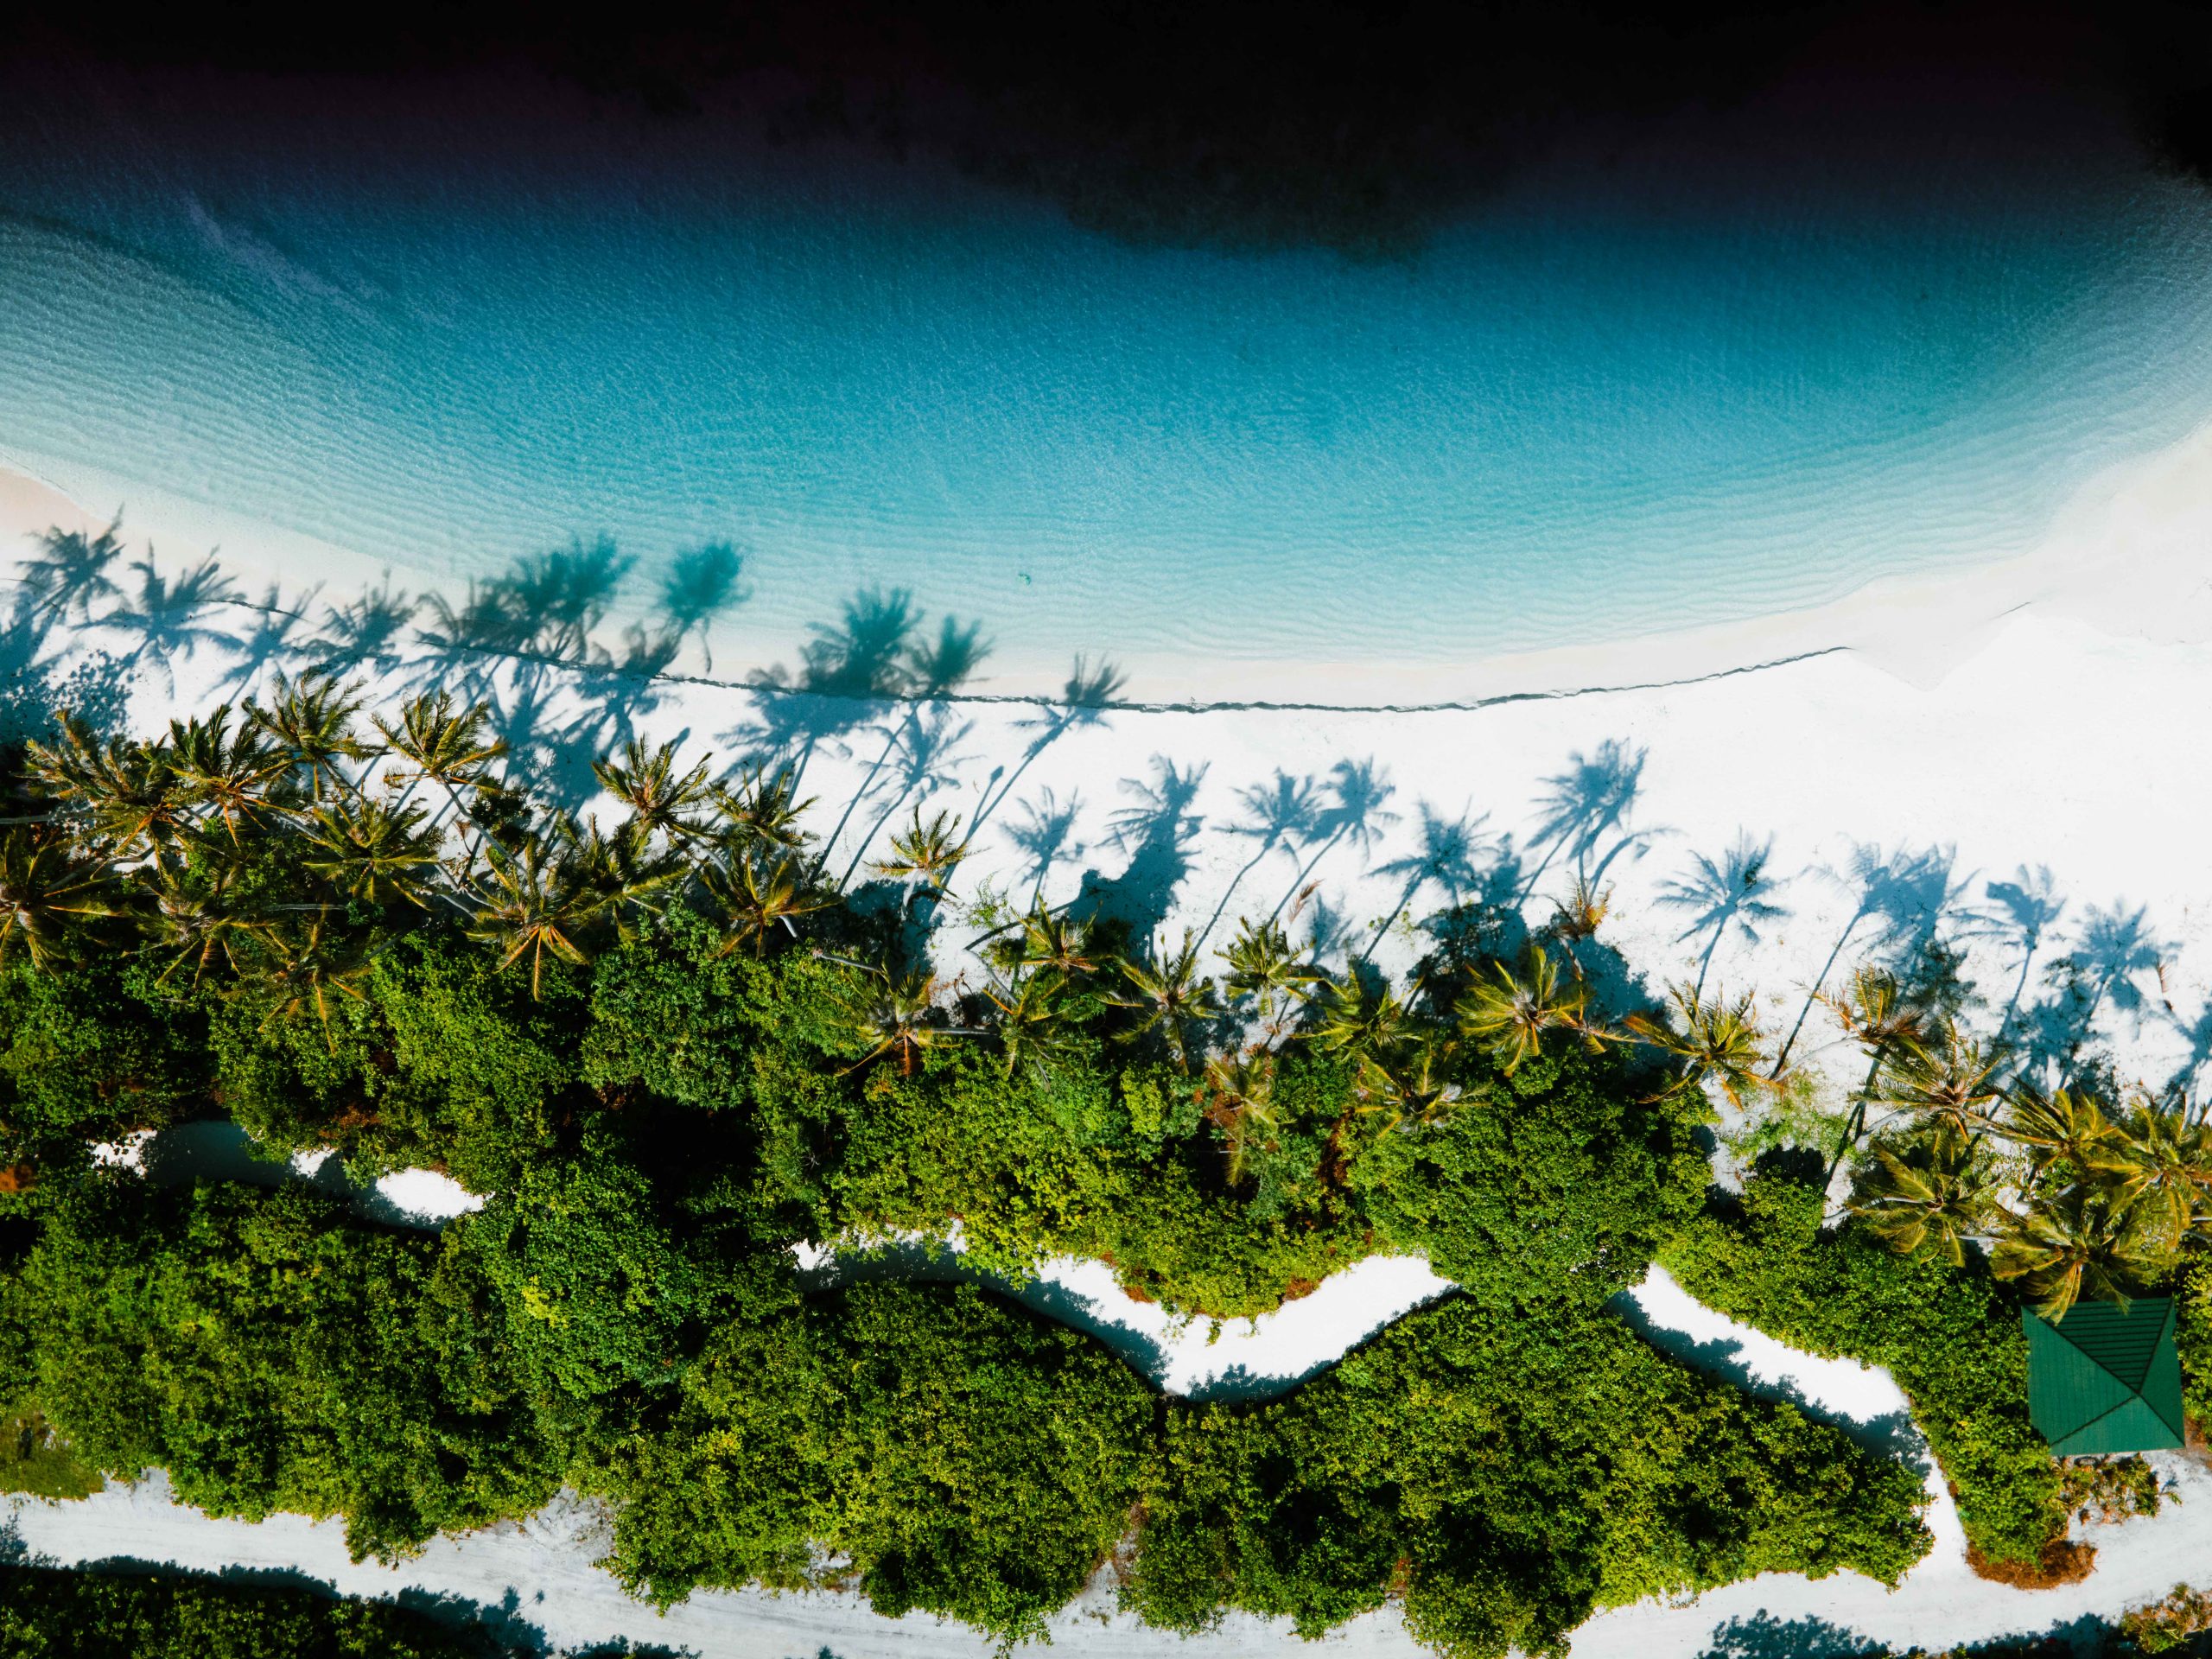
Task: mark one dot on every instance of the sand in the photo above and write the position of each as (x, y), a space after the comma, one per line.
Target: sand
(2011, 760)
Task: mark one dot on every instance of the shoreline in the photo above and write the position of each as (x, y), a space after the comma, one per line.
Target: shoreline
(2120, 556)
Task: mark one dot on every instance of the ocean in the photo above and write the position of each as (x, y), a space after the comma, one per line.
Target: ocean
(1682, 373)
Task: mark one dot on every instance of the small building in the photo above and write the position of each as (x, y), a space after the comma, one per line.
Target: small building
(2106, 1378)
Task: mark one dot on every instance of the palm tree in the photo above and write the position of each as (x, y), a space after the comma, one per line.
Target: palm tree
(1411, 1090)
(1030, 1027)
(233, 776)
(754, 895)
(309, 970)
(1876, 1014)
(371, 851)
(2069, 1246)
(192, 914)
(1054, 945)
(1949, 1086)
(48, 896)
(1935, 1191)
(625, 871)
(2160, 1170)
(530, 901)
(646, 781)
(897, 1016)
(1236, 1094)
(1262, 966)
(1170, 994)
(1361, 1019)
(2069, 1124)
(443, 747)
(125, 790)
(761, 813)
(1579, 915)
(926, 852)
(1720, 1041)
(1510, 1016)
(311, 725)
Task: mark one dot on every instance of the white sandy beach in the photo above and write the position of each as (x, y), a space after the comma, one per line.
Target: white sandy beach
(2012, 760)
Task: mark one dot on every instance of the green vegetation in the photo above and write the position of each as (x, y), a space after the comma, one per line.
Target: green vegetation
(33, 1460)
(1947, 1334)
(673, 1049)
(51, 1615)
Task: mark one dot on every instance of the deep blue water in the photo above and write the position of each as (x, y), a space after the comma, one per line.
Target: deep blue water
(1702, 377)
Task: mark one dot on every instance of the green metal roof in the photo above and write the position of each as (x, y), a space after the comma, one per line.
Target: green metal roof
(2105, 1378)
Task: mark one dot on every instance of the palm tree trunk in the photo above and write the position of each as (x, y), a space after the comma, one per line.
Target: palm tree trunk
(1390, 921)
(890, 742)
(1235, 881)
(1814, 995)
(1299, 881)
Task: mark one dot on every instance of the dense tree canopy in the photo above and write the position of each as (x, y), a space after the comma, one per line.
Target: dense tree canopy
(670, 1052)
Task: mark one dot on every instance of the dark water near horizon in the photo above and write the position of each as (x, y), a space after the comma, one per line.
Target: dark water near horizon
(1709, 367)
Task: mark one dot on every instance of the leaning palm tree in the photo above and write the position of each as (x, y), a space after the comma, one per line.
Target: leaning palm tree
(2160, 1169)
(658, 797)
(49, 897)
(530, 901)
(1236, 1095)
(1930, 1191)
(897, 1017)
(1950, 1085)
(443, 744)
(1719, 1041)
(1413, 1089)
(1054, 945)
(927, 854)
(1032, 1029)
(1875, 1014)
(311, 724)
(627, 871)
(1262, 966)
(2068, 1125)
(2069, 1246)
(761, 813)
(123, 793)
(193, 913)
(375, 852)
(308, 973)
(752, 896)
(1511, 1016)
(1361, 1018)
(1579, 915)
(233, 776)
(1170, 995)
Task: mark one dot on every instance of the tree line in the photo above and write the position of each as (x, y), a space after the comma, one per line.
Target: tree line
(671, 1049)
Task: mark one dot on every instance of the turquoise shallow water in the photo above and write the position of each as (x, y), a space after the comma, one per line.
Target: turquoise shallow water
(1692, 381)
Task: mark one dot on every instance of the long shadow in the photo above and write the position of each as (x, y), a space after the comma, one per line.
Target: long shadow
(1904, 896)
(1591, 800)
(166, 616)
(2113, 948)
(1155, 834)
(1083, 701)
(1358, 814)
(1443, 857)
(43, 670)
(2021, 912)
(1048, 836)
(1724, 896)
(1277, 814)
(1762, 1636)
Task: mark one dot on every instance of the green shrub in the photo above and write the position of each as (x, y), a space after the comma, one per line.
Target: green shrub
(1950, 1336)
